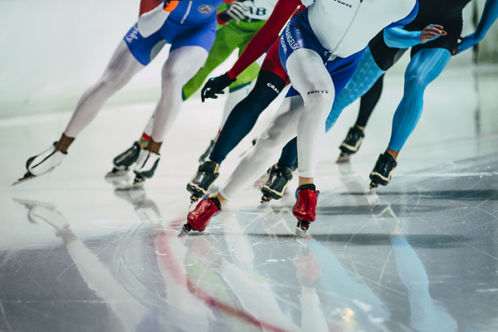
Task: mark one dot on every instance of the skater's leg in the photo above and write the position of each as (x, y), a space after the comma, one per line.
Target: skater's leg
(243, 117)
(251, 165)
(122, 67)
(288, 157)
(355, 135)
(425, 66)
(364, 77)
(181, 65)
(234, 97)
(147, 133)
(317, 91)
(283, 127)
(368, 103)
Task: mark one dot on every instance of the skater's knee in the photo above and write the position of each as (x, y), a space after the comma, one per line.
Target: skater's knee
(108, 82)
(175, 75)
(414, 78)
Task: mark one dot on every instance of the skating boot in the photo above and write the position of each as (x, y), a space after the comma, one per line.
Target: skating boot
(124, 161)
(351, 144)
(42, 163)
(206, 153)
(146, 165)
(202, 180)
(198, 218)
(276, 183)
(381, 173)
(305, 208)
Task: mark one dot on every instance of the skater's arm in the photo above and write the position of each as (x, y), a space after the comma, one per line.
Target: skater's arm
(148, 5)
(264, 38)
(488, 17)
(401, 38)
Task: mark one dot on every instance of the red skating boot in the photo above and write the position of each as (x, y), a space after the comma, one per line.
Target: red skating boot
(199, 217)
(304, 209)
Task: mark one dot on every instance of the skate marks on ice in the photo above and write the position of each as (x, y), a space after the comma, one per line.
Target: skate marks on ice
(412, 256)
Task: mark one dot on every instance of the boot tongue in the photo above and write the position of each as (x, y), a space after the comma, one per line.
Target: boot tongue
(310, 186)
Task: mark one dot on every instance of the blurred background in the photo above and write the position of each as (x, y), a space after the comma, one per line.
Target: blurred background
(54, 49)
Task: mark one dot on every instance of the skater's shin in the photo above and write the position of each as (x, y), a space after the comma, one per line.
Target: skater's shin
(181, 65)
(255, 162)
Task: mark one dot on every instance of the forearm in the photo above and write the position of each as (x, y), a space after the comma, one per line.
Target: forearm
(264, 38)
(400, 38)
(488, 17)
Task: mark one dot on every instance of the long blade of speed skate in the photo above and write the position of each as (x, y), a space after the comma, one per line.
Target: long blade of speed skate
(27, 176)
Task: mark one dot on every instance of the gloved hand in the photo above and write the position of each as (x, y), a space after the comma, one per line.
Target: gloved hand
(236, 11)
(465, 43)
(215, 85)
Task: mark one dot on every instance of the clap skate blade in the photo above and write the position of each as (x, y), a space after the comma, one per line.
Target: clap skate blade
(194, 198)
(302, 228)
(373, 185)
(27, 176)
(265, 198)
(343, 158)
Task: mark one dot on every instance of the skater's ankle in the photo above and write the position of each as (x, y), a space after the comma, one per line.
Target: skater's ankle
(144, 141)
(309, 186)
(221, 200)
(64, 143)
(393, 153)
(362, 128)
(216, 167)
(303, 181)
(154, 146)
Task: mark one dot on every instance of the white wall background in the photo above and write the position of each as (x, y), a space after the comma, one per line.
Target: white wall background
(53, 49)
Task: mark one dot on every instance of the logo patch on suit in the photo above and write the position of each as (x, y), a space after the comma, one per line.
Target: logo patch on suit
(205, 9)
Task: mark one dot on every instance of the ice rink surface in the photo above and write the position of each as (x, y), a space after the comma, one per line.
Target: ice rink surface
(421, 254)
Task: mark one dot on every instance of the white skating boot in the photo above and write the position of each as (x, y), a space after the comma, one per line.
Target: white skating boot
(42, 163)
(146, 165)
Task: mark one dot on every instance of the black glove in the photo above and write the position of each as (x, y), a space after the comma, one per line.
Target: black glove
(215, 86)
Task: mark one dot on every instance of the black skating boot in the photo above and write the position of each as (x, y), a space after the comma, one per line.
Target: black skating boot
(382, 172)
(202, 180)
(206, 153)
(276, 182)
(351, 143)
(126, 159)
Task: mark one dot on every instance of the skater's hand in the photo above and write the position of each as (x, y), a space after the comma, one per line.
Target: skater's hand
(465, 43)
(236, 11)
(215, 86)
(432, 32)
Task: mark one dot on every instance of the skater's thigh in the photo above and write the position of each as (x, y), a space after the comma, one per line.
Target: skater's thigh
(183, 63)
(308, 74)
(144, 50)
(122, 66)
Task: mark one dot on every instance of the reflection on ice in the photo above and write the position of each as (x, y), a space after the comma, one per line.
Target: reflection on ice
(408, 257)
